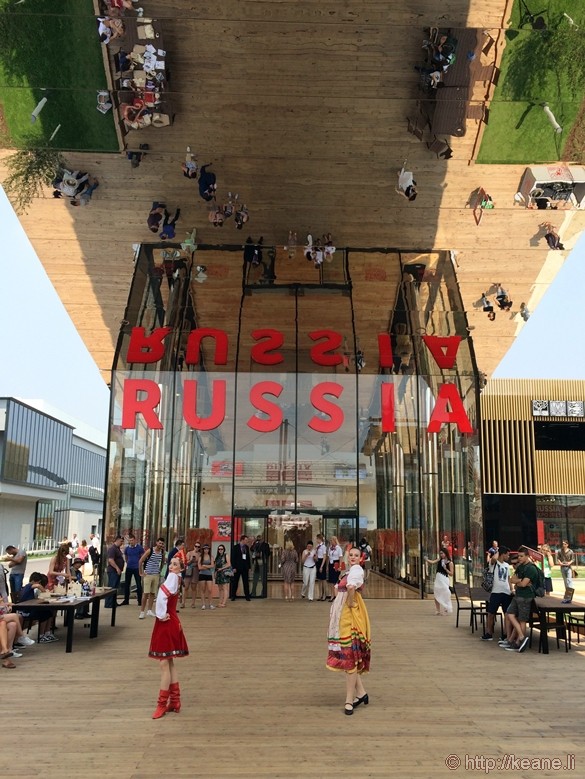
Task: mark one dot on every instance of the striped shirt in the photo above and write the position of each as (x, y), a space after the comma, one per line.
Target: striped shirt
(154, 563)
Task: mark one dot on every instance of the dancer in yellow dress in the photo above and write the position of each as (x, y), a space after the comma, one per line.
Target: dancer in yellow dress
(348, 638)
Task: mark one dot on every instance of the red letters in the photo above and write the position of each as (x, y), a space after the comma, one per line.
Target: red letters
(132, 405)
(217, 415)
(259, 353)
(258, 400)
(318, 401)
(385, 350)
(147, 348)
(388, 413)
(443, 349)
(448, 395)
(194, 345)
(319, 351)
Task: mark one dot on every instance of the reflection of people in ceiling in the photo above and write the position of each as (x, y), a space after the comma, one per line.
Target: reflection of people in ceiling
(403, 351)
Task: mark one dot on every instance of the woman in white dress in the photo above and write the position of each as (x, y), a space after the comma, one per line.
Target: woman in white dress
(442, 593)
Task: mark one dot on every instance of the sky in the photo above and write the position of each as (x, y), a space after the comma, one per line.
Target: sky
(42, 358)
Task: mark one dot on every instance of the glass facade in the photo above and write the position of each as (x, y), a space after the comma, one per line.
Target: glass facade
(36, 448)
(331, 410)
(86, 473)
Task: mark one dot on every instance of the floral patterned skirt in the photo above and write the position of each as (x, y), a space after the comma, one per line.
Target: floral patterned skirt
(349, 643)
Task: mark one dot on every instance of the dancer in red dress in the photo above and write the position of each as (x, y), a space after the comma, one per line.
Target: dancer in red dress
(168, 641)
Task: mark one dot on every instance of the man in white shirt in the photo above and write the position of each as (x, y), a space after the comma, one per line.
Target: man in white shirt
(309, 571)
(501, 594)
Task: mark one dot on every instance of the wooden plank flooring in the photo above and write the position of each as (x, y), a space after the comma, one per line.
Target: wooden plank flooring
(259, 702)
(302, 107)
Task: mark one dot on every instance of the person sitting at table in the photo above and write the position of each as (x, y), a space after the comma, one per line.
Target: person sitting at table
(433, 76)
(121, 4)
(109, 29)
(11, 635)
(406, 184)
(133, 114)
(6, 643)
(37, 583)
(76, 567)
(59, 571)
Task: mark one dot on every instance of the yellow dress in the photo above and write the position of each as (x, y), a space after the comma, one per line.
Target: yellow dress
(349, 636)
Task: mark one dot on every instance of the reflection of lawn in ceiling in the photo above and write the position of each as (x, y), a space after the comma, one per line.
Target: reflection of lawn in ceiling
(39, 48)
(537, 66)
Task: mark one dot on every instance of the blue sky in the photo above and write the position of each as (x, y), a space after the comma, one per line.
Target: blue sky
(42, 356)
(552, 344)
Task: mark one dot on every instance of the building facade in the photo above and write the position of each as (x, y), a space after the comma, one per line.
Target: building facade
(533, 462)
(51, 479)
(300, 410)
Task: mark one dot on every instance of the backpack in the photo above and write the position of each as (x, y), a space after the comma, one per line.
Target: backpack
(487, 581)
(538, 588)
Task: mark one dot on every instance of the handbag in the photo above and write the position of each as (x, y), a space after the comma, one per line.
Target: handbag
(227, 571)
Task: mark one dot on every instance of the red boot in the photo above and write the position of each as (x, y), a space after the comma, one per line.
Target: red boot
(161, 705)
(175, 699)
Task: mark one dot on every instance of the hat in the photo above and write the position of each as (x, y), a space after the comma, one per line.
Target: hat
(78, 560)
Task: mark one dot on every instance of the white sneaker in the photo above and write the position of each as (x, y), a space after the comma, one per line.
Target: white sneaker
(212, 606)
(203, 608)
(141, 615)
(150, 613)
(188, 150)
(24, 641)
(15, 653)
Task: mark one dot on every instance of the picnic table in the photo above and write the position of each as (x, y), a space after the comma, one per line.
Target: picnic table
(69, 606)
(143, 41)
(446, 108)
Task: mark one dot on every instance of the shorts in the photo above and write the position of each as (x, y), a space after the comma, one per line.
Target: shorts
(40, 615)
(150, 583)
(498, 599)
(521, 608)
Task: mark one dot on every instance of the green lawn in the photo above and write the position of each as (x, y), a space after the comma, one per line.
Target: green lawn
(53, 44)
(536, 68)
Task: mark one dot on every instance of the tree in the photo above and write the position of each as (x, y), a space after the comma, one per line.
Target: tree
(30, 170)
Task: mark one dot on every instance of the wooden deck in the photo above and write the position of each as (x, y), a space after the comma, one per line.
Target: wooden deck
(259, 702)
(302, 107)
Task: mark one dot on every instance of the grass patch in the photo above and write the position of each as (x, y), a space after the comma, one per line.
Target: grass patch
(538, 66)
(53, 45)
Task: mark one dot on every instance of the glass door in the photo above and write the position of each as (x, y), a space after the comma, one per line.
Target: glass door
(297, 529)
(255, 527)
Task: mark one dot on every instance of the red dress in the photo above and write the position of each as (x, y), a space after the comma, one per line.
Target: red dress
(168, 640)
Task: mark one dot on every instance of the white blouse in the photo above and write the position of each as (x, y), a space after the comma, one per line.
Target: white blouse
(172, 585)
(355, 577)
(335, 553)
